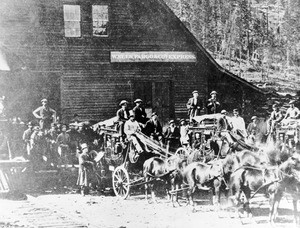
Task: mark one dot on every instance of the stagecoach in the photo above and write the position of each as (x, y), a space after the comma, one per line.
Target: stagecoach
(288, 129)
(204, 127)
(119, 160)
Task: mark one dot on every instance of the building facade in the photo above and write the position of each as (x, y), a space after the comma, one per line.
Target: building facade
(86, 56)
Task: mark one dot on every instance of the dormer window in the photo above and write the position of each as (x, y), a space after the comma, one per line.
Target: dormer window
(100, 20)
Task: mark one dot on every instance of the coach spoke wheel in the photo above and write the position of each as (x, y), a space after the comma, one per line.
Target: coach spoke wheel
(181, 152)
(121, 184)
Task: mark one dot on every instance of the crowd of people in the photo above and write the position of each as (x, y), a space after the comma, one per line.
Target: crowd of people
(52, 144)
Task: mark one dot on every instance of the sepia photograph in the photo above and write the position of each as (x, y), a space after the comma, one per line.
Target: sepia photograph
(149, 113)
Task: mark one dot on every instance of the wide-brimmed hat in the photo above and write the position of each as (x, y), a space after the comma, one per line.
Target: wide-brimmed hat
(83, 146)
(138, 100)
(123, 102)
(253, 117)
(235, 110)
(213, 92)
(36, 128)
(292, 102)
(195, 91)
(44, 100)
(274, 105)
(223, 111)
(154, 114)
(171, 121)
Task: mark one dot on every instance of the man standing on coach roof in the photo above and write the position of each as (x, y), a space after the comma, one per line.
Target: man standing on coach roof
(123, 116)
(213, 106)
(194, 105)
(45, 114)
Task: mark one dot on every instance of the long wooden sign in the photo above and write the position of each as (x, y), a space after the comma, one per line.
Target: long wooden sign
(153, 56)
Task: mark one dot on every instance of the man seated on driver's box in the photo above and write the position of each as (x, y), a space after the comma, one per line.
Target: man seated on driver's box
(131, 127)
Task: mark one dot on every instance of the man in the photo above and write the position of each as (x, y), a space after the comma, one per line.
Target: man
(172, 136)
(194, 105)
(26, 138)
(275, 118)
(223, 127)
(153, 128)
(238, 123)
(63, 141)
(184, 133)
(253, 126)
(131, 127)
(292, 112)
(86, 167)
(45, 114)
(139, 112)
(52, 146)
(4, 152)
(122, 116)
(213, 106)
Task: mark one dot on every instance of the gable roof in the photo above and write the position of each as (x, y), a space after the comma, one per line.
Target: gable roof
(202, 49)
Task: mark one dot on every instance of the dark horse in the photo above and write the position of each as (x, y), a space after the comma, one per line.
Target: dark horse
(290, 183)
(270, 180)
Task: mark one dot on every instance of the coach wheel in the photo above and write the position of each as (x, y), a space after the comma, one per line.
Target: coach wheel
(181, 152)
(120, 183)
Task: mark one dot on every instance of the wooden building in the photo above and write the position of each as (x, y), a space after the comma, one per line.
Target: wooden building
(87, 55)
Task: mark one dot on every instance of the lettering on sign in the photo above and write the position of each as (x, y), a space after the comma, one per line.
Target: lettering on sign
(152, 56)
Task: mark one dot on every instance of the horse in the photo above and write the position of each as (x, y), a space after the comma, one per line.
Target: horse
(168, 170)
(250, 179)
(207, 176)
(290, 183)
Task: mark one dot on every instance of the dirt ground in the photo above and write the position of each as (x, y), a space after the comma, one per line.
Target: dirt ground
(52, 201)
(109, 211)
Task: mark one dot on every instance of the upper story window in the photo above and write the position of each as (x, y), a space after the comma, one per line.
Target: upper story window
(72, 20)
(100, 20)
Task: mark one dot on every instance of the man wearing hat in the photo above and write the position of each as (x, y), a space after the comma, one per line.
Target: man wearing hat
(253, 126)
(26, 138)
(172, 136)
(123, 116)
(139, 112)
(238, 124)
(45, 114)
(153, 128)
(292, 112)
(223, 127)
(213, 106)
(275, 118)
(184, 133)
(131, 127)
(194, 105)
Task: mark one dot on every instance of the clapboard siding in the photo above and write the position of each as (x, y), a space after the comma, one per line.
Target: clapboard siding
(76, 74)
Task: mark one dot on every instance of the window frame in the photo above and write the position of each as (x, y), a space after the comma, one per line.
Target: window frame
(79, 21)
(107, 24)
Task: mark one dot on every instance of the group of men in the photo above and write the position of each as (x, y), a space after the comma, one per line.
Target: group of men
(133, 121)
(196, 108)
(50, 143)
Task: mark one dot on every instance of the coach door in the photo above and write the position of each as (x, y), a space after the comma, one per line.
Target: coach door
(156, 97)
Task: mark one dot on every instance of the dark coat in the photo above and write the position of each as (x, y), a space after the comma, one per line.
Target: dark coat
(213, 106)
(223, 124)
(172, 138)
(194, 109)
(140, 114)
(154, 130)
(121, 115)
